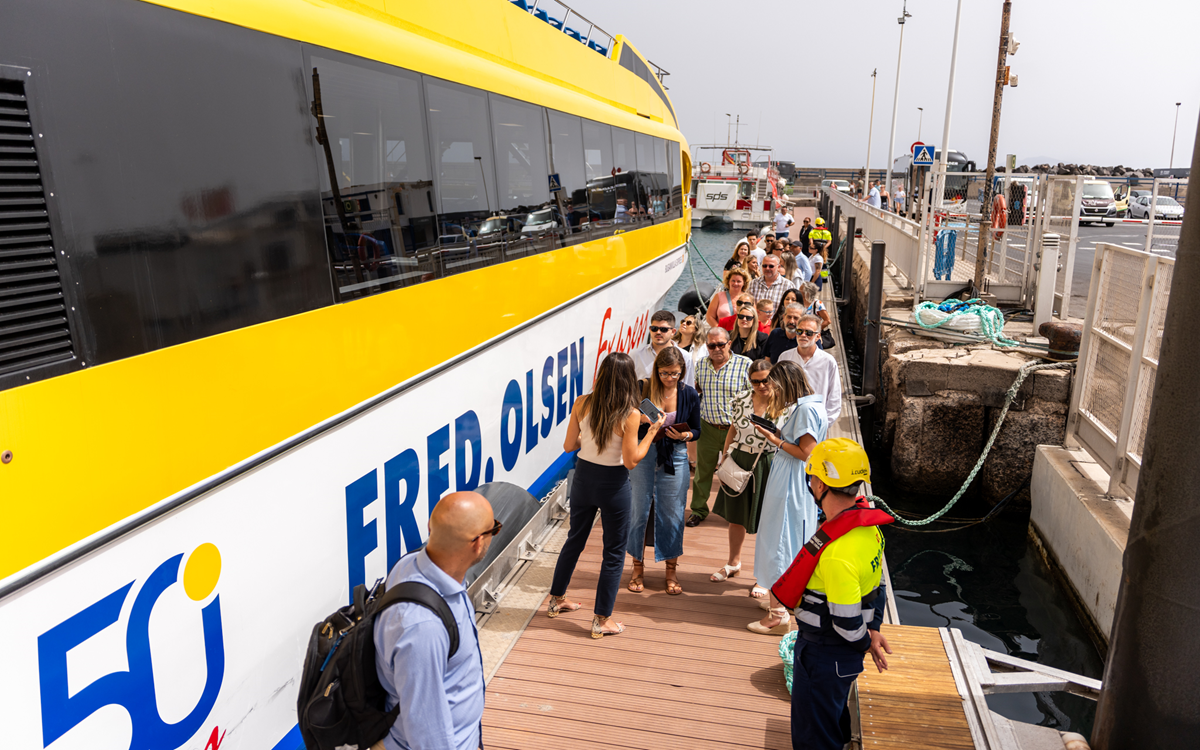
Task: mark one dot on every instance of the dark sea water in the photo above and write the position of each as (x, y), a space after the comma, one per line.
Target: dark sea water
(985, 580)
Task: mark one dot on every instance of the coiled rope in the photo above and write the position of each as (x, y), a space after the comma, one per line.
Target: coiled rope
(1027, 368)
(991, 320)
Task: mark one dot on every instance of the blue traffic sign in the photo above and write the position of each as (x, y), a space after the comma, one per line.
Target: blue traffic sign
(923, 156)
(555, 184)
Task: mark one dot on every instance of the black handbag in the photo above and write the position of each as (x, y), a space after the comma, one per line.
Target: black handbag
(827, 341)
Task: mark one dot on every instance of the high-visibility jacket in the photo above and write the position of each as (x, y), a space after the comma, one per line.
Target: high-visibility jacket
(820, 234)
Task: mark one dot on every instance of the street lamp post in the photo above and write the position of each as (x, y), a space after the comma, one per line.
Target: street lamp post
(920, 119)
(870, 127)
(887, 185)
(1173, 132)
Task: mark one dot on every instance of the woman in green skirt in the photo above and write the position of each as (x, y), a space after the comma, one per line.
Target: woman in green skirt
(751, 452)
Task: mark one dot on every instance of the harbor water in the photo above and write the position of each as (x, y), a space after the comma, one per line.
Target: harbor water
(985, 579)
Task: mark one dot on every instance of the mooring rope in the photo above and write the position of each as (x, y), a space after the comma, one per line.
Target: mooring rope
(1030, 366)
(695, 285)
(991, 320)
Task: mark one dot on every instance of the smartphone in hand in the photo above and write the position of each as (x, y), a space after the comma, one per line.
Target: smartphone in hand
(766, 424)
(648, 408)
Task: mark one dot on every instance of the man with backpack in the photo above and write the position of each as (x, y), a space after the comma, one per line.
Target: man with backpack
(440, 694)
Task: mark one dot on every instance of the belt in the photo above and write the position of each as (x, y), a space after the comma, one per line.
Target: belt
(718, 426)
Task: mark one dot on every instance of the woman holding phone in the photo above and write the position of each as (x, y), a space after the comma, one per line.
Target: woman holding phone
(750, 450)
(603, 428)
(789, 513)
(661, 479)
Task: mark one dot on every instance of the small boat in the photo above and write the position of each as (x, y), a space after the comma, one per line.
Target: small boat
(733, 190)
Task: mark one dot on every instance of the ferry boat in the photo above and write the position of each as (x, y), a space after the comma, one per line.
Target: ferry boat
(253, 325)
(730, 189)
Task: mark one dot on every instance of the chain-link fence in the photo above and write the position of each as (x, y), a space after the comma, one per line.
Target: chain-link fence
(1118, 359)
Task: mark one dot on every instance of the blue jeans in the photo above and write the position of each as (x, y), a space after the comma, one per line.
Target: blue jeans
(669, 495)
(821, 679)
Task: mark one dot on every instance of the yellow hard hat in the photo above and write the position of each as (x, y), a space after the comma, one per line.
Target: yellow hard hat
(839, 462)
(820, 222)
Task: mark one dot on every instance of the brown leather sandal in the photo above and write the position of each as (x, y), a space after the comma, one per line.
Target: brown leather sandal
(673, 586)
(636, 584)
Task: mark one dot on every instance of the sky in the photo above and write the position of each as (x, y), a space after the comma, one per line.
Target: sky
(1098, 79)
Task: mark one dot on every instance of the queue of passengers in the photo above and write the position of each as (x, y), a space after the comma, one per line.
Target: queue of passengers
(747, 401)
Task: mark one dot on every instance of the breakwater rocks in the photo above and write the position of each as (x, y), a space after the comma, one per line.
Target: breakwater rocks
(1090, 170)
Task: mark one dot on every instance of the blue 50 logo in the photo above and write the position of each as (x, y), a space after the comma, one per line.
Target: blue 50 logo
(134, 689)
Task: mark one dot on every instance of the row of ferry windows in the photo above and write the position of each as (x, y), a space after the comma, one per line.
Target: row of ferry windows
(433, 178)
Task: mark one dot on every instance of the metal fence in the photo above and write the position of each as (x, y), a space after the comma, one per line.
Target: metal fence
(1118, 360)
(899, 233)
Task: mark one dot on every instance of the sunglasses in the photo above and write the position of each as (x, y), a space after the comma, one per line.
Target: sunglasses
(769, 266)
(759, 382)
(718, 344)
(688, 323)
(806, 334)
(659, 329)
(490, 532)
(745, 317)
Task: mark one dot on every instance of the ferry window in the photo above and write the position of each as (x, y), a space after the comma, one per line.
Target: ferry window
(662, 178)
(381, 212)
(567, 160)
(625, 187)
(647, 181)
(521, 164)
(675, 169)
(598, 161)
(462, 155)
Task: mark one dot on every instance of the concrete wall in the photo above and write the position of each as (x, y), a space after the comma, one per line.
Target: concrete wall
(1082, 532)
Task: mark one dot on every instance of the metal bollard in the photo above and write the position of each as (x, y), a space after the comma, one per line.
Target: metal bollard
(836, 230)
(847, 262)
(1043, 306)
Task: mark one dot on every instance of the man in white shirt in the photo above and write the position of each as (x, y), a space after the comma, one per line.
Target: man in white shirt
(782, 221)
(820, 367)
(662, 333)
(873, 199)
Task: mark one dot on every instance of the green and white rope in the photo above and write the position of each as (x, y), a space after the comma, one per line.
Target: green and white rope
(991, 320)
(720, 279)
(1026, 369)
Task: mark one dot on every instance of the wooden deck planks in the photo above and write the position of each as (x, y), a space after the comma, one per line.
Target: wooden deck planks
(685, 673)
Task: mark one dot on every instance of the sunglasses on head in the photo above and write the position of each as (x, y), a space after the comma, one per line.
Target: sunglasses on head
(745, 304)
(492, 531)
(659, 329)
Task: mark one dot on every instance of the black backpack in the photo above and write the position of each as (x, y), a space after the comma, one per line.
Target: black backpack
(341, 703)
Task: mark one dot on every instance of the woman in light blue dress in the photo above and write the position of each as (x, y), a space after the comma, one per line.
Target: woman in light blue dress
(789, 513)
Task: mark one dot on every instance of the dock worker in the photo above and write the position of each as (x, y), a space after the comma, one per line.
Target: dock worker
(440, 700)
(837, 583)
(662, 335)
(820, 239)
(819, 366)
(719, 378)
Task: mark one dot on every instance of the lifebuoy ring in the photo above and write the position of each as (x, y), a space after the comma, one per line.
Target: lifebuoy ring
(999, 216)
(368, 252)
(743, 169)
(705, 167)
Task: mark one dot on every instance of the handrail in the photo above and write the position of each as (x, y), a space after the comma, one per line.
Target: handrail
(659, 71)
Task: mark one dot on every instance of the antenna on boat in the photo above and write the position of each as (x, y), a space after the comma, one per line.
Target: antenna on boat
(728, 125)
(737, 130)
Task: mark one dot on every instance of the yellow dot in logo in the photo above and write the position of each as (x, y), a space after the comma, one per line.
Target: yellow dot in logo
(202, 571)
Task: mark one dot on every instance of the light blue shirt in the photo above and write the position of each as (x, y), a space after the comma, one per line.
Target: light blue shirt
(441, 704)
(804, 268)
(873, 198)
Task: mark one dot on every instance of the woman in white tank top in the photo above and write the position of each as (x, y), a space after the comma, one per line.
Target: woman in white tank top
(603, 428)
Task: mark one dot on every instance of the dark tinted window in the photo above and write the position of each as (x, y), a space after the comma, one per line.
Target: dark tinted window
(521, 164)
(462, 153)
(567, 160)
(675, 167)
(598, 155)
(625, 185)
(381, 214)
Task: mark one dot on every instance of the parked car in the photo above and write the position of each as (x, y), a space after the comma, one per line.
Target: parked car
(500, 224)
(1165, 207)
(1123, 199)
(1098, 205)
(842, 185)
(540, 222)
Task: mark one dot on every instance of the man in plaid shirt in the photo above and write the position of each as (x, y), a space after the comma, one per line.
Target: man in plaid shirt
(719, 377)
(771, 285)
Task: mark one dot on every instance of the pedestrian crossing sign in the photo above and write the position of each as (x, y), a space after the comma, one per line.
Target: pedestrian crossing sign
(923, 156)
(555, 183)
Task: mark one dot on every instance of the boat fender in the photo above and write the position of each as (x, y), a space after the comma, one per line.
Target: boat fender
(999, 216)
(705, 167)
(791, 585)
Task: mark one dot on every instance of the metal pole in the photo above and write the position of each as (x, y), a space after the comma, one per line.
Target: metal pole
(986, 193)
(949, 100)
(1174, 132)
(836, 234)
(891, 152)
(872, 349)
(1150, 215)
(920, 119)
(870, 128)
(847, 261)
(1151, 684)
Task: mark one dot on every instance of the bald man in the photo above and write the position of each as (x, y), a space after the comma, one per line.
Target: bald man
(441, 702)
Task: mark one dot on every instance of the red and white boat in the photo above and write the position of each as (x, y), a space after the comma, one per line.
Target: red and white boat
(729, 188)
